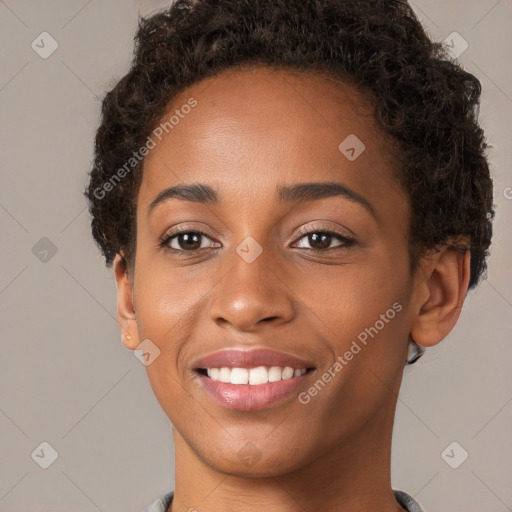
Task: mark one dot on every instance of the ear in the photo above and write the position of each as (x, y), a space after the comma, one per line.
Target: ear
(125, 310)
(439, 294)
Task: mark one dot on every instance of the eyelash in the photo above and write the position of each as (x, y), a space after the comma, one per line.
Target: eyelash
(346, 241)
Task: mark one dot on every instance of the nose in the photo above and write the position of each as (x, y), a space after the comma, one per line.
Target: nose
(252, 294)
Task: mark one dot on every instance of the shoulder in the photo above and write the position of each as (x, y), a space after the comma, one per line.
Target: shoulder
(408, 502)
(161, 504)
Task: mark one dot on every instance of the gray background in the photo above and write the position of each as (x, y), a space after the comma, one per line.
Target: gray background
(66, 378)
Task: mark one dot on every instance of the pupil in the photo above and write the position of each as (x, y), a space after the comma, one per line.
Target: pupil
(191, 239)
(313, 238)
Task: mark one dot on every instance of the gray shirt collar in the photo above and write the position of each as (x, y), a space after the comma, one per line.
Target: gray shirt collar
(408, 502)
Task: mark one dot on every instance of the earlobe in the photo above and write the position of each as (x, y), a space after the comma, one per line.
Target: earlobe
(125, 310)
(440, 295)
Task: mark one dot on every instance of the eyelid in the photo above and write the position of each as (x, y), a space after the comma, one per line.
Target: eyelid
(185, 228)
(340, 231)
(344, 242)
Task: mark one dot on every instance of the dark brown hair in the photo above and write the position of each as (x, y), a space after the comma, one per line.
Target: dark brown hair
(421, 97)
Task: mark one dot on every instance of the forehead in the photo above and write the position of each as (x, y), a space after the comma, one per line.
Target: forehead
(252, 128)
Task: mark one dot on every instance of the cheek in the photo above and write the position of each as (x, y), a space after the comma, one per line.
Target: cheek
(364, 322)
(363, 308)
(165, 298)
(351, 298)
(168, 311)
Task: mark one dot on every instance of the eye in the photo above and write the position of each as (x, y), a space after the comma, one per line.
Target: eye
(321, 240)
(185, 240)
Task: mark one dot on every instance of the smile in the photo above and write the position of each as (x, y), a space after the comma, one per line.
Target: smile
(253, 379)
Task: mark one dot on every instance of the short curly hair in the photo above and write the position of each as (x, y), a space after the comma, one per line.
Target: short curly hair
(421, 97)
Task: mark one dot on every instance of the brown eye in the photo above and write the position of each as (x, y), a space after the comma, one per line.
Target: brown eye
(319, 240)
(322, 240)
(188, 241)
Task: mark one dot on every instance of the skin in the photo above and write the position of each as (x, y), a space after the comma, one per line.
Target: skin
(254, 129)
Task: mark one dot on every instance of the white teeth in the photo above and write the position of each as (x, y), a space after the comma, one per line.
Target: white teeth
(275, 373)
(287, 373)
(225, 374)
(239, 376)
(254, 376)
(258, 375)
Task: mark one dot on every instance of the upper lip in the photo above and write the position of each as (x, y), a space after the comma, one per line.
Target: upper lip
(232, 358)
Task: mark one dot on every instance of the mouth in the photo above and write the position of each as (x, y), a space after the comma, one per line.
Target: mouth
(251, 389)
(248, 380)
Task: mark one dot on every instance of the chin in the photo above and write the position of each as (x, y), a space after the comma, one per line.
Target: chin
(252, 467)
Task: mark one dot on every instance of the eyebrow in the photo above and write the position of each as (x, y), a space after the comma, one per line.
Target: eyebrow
(194, 192)
(299, 192)
(314, 191)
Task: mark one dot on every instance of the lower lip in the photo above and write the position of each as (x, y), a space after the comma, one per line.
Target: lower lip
(245, 397)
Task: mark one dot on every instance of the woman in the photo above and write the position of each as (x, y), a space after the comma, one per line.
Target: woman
(295, 198)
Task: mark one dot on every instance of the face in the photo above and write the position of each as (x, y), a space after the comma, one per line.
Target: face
(318, 273)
